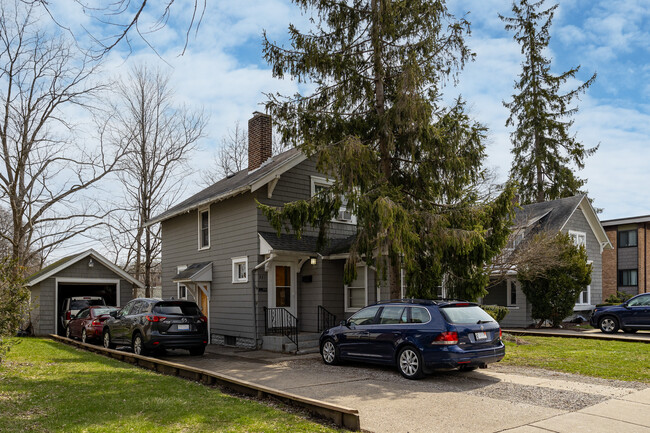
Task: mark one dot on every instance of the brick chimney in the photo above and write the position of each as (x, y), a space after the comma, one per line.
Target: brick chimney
(259, 140)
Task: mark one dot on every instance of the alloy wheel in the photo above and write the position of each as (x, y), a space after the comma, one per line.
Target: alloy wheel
(107, 340)
(607, 325)
(137, 345)
(83, 336)
(329, 352)
(409, 362)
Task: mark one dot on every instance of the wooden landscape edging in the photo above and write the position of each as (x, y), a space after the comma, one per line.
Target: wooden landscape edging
(339, 415)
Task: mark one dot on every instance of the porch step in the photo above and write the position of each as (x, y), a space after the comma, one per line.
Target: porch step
(307, 343)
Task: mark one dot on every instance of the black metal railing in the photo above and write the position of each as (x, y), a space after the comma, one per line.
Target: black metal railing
(326, 320)
(279, 321)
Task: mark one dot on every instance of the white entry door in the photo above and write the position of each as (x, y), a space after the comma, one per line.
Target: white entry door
(282, 287)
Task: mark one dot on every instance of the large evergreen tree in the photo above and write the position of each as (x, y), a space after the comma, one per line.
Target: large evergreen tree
(404, 163)
(544, 150)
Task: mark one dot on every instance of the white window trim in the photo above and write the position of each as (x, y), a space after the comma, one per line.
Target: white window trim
(317, 180)
(347, 307)
(201, 211)
(178, 291)
(509, 284)
(577, 237)
(235, 275)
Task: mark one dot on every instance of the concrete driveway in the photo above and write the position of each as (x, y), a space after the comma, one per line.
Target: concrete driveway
(498, 399)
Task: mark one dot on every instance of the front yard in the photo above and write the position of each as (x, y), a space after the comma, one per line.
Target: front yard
(620, 360)
(50, 387)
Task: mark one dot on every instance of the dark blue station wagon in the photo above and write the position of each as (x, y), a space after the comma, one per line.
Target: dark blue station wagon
(417, 336)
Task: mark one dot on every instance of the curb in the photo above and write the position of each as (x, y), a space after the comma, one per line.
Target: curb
(339, 415)
(586, 336)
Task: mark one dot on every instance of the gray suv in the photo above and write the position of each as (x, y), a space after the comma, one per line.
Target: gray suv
(154, 324)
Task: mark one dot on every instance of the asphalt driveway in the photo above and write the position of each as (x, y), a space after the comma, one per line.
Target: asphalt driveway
(501, 398)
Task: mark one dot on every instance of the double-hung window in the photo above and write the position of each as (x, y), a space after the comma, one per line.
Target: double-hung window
(204, 229)
(628, 277)
(321, 184)
(578, 238)
(627, 238)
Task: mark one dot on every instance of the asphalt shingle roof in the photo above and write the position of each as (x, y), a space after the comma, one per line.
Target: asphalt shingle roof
(306, 244)
(548, 215)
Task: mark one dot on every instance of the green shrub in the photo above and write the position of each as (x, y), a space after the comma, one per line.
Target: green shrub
(497, 312)
(618, 298)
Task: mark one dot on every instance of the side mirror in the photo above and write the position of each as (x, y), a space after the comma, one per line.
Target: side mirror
(344, 323)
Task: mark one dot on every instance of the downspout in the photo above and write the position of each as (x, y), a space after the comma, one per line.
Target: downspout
(645, 257)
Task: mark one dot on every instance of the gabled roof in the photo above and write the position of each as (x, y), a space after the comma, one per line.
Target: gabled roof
(201, 271)
(239, 183)
(65, 262)
(553, 216)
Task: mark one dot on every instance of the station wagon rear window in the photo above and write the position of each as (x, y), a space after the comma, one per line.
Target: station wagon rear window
(465, 315)
(183, 309)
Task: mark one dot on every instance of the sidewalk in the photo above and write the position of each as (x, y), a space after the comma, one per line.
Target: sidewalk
(594, 334)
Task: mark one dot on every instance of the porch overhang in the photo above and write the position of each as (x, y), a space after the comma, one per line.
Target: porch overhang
(194, 273)
(290, 245)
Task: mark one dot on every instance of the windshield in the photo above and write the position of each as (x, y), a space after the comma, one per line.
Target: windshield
(466, 315)
(181, 309)
(101, 311)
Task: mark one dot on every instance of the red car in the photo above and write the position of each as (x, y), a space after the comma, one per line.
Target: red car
(88, 324)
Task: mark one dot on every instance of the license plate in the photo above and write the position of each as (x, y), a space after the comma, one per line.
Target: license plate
(183, 327)
(480, 336)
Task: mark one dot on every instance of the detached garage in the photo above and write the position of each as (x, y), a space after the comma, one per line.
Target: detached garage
(85, 274)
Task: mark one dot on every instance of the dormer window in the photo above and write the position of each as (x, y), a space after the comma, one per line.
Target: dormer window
(204, 229)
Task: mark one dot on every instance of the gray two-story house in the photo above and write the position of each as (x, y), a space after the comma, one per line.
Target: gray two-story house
(572, 215)
(219, 250)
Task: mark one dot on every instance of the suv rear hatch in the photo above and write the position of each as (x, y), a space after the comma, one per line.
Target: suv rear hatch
(474, 326)
(178, 317)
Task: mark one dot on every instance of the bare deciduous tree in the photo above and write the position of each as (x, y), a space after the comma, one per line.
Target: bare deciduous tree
(159, 137)
(44, 82)
(125, 17)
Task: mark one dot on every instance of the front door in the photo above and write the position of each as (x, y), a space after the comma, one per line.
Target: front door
(282, 292)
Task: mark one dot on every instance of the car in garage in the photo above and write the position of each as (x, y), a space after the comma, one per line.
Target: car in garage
(72, 306)
(88, 324)
(630, 316)
(148, 324)
(417, 336)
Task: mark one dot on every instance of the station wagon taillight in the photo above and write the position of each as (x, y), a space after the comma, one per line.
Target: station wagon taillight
(154, 318)
(203, 319)
(446, 338)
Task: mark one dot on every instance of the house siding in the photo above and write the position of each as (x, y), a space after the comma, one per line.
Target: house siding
(578, 222)
(610, 265)
(233, 233)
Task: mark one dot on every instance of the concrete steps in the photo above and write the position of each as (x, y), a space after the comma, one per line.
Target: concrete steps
(307, 343)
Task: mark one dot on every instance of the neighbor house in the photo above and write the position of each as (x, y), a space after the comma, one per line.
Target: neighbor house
(219, 250)
(626, 268)
(572, 215)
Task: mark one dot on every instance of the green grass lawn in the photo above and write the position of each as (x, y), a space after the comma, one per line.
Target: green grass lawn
(607, 359)
(46, 386)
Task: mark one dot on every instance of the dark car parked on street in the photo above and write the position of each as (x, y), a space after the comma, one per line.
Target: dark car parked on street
(88, 324)
(416, 335)
(154, 324)
(630, 316)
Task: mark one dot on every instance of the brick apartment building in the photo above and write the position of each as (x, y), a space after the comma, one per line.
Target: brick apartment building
(626, 267)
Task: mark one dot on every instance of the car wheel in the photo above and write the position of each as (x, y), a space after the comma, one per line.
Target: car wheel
(409, 362)
(68, 333)
(84, 337)
(107, 340)
(138, 345)
(467, 368)
(197, 351)
(629, 330)
(329, 353)
(608, 325)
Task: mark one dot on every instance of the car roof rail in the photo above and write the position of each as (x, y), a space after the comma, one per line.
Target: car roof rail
(409, 301)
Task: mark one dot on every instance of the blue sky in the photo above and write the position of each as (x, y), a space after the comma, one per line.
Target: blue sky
(223, 71)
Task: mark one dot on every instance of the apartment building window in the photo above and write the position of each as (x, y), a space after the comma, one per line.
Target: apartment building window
(627, 238)
(627, 277)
